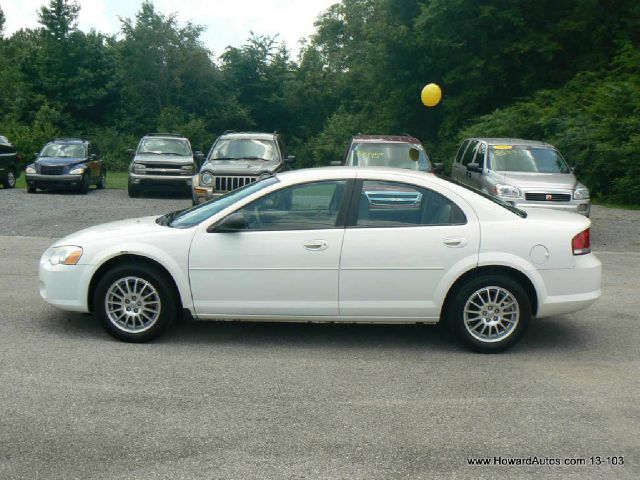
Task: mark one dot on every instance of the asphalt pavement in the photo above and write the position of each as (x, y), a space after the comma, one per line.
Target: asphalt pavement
(271, 400)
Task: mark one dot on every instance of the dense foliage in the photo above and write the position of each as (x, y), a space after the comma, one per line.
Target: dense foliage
(565, 71)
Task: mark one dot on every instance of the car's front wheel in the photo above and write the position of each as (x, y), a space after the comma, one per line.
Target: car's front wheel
(84, 184)
(135, 303)
(9, 180)
(489, 313)
(102, 181)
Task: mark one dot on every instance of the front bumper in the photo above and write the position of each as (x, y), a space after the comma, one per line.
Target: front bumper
(178, 180)
(202, 194)
(583, 207)
(65, 286)
(39, 179)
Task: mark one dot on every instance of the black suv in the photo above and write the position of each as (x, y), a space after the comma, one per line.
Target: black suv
(67, 162)
(9, 168)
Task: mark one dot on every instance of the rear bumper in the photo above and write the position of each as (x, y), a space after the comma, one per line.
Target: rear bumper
(571, 289)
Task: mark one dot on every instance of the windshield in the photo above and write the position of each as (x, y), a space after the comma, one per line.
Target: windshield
(398, 155)
(195, 215)
(165, 146)
(507, 158)
(74, 150)
(247, 148)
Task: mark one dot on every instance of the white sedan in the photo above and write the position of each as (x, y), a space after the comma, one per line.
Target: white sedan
(332, 245)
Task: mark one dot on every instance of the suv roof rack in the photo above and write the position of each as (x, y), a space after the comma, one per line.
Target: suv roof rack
(164, 135)
(69, 139)
(228, 131)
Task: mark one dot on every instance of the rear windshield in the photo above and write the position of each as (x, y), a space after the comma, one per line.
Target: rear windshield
(508, 158)
(503, 204)
(398, 155)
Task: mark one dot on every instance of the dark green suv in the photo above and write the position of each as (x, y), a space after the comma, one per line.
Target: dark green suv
(9, 168)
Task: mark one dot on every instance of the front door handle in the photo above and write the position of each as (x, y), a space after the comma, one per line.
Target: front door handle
(455, 242)
(316, 245)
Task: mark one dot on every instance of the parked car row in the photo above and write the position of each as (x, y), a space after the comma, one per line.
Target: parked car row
(523, 173)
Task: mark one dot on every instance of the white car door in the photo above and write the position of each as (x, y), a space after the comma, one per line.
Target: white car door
(400, 242)
(282, 261)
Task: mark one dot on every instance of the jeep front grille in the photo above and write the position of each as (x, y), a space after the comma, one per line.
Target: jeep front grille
(548, 197)
(232, 182)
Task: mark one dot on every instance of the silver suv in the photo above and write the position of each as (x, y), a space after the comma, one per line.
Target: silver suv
(524, 173)
(162, 159)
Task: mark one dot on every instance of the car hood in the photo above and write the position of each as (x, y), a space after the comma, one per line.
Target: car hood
(556, 181)
(120, 229)
(174, 159)
(240, 166)
(59, 161)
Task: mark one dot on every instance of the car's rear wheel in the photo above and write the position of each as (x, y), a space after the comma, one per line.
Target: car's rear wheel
(489, 313)
(135, 303)
(9, 181)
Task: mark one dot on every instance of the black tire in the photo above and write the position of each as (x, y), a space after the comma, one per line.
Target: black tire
(102, 181)
(167, 298)
(505, 337)
(84, 184)
(134, 192)
(31, 188)
(9, 180)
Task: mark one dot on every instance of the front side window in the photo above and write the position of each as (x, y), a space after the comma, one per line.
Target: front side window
(310, 206)
(245, 149)
(391, 204)
(398, 155)
(507, 158)
(468, 154)
(165, 146)
(480, 154)
(63, 150)
(461, 150)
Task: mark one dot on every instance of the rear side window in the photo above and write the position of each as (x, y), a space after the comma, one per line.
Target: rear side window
(468, 154)
(391, 204)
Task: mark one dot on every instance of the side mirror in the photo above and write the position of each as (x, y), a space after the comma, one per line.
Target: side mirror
(336, 163)
(131, 151)
(93, 156)
(438, 167)
(574, 169)
(290, 159)
(198, 154)
(474, 167)
(35, 155)
(231, 223)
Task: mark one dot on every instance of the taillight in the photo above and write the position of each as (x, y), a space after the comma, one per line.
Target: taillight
(581, 243)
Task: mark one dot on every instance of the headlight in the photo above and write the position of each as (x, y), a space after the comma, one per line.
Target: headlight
(206, 178)
(581, 194)
(138, 167)
(187, 168)
(77, 171)
(506, 190)
(30, 169)
(65, 255)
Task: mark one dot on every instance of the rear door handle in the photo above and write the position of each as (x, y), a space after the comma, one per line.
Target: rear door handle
(316, 245)
(456, 242)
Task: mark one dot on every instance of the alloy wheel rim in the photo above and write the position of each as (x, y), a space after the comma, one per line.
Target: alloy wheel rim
(132, 304)
(11, 179)
(491, 314)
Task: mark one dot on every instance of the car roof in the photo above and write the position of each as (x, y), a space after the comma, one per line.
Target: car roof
(385, 138)
(254, 135)
(166, 136)
(511, 141)
(69, 140)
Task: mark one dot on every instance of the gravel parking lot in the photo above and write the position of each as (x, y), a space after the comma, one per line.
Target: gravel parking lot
(251, 400)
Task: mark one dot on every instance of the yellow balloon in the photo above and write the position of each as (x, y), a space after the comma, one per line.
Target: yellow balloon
(431, 95)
